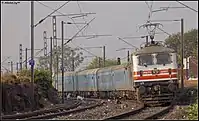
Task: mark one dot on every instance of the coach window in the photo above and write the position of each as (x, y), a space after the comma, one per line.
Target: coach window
(145, 60)
(163, 58)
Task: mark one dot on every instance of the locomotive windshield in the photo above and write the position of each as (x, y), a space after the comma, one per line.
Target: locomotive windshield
(145, 60)
(163, 58)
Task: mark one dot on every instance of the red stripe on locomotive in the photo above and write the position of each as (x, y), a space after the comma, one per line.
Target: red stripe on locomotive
(155, 77)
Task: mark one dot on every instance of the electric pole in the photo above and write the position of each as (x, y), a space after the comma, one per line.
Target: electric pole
(128, 56)
(182, 53)
(26, 57)
(147, 40)
(103, 56)
(45, 46)
(51, 57)
(45, 43)
(17, 67)
(99, 61)
(55, 46)
(11, 66)
(73, 62)
(20, 56)
(118, 61)
(62, 59)
(32, 53)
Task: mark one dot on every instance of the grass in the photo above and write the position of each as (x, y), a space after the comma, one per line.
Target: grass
(13, 78)
(192, 111)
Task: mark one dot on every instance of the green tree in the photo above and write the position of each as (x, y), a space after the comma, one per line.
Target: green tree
(69, 55)
(95, 63)
(190, 43)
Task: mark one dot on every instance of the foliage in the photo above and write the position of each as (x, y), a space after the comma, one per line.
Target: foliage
(24, 72)
(95, 63)
(193, 111)
(43, 79)
(9, 78)
(68, 63)
(190, 43)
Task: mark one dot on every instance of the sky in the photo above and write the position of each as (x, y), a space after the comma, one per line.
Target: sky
(119, 19)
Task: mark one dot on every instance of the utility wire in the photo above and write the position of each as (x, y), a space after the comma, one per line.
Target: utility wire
(61, 14)
(164, 31)
(81, 12)
(50, 14)
(64, 43)
(79, 31)
(187, 6)
(83, 16)
(68, 40)
(127, 42)
(5, 59)
(85, 50)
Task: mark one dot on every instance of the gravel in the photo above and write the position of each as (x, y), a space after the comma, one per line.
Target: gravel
(109, 108)
(145, 113)
(178, 113)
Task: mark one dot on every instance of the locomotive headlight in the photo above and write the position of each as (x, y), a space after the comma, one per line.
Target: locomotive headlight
(142, 89)
(156, 87)
(172, 87)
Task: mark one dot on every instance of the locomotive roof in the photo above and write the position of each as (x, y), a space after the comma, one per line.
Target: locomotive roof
(153, 49)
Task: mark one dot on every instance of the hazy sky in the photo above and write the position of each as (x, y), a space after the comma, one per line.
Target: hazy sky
(120, 19)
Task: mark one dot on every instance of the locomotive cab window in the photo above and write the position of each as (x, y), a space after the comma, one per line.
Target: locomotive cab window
(145, 60)
(163, 58)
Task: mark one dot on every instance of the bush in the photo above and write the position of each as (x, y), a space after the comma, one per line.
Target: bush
(193, 111)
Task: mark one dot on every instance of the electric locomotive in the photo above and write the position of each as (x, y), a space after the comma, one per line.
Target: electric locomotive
(155, 73)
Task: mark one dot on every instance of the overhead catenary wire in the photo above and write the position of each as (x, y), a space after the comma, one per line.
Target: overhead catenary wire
(81, 12)
(83, 16)
(64, 43)
(67, 41)
(85, 50)
(79, 31)
(164, 31)
(71, 17)
(60, 13)
(51, 14)
(187, 6)
(127, 42)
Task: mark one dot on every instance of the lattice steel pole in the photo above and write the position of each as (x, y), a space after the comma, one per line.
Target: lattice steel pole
(51, 57)
(55, 47)
(45, 43)
(20, 56)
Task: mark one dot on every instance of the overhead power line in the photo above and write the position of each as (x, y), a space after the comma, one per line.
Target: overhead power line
(50, 14)
(187, 6)
(61, 14)
(85, 50)
(127, 42)
(164, 31)
(67, 41)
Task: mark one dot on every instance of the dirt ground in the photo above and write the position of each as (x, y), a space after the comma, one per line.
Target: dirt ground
(179, 111)
(191, 83)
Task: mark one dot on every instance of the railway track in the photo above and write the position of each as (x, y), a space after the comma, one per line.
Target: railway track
(59, 110)
(142, 113)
